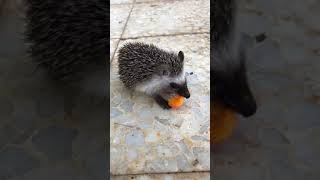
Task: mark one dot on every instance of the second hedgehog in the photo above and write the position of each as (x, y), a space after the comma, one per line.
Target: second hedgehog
(153, 71)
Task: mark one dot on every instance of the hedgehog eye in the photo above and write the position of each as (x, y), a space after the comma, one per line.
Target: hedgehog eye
(174, 85)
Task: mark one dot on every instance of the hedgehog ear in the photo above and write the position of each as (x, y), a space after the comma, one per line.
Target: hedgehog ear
(181, 56)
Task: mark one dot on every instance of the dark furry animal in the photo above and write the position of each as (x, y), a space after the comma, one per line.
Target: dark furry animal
(66, 36)
(148, 69)
(228, 69)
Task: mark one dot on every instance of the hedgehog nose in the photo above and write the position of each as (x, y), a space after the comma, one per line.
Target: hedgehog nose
(187, 96)
(250, 110)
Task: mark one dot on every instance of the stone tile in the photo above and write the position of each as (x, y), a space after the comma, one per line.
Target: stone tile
(118, 18)
(147, 139)
(147, 1)
(97, 165)
(281, 170)
(61, 171)
(305, 147)
(185, 17)
(279, 142)
(55, 142)
(175, 176)
(253, 24)
(121, 1)
(16, 162)
(49, 103)
(6, 107)
(261, 54)
(88, 142)
(25, 113)
(113, 46)
(239, 172)
(8, 133)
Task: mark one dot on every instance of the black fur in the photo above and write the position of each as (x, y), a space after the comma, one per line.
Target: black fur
(67, 35)
(229, 78)
(222, 25)
(181, 89)
(139, 62)
(161, 101)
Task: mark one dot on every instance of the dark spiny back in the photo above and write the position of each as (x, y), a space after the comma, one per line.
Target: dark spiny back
(226, 58)
(65, 36)
(222, 20)
(229, 82)
(139, 62)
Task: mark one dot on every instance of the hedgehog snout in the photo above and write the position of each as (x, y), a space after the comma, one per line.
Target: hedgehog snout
(184, 92)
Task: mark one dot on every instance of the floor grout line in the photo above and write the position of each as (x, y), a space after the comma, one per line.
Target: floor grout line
(166, 35)
(121, 4)
(162, 173)
(124, 28)
(150, 2)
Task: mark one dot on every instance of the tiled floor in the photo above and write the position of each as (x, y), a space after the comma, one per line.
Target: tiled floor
(174, 176)
(119, 15)
(151, 19)
(113, 46)
(281, 140)
(144, 138)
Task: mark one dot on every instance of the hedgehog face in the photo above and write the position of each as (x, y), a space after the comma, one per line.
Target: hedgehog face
(230, 84)
(176, 78)
(233, 90)
(181, 88)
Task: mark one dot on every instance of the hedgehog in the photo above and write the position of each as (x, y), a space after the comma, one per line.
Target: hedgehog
(148, 69)
(66, 37)
(228, 61)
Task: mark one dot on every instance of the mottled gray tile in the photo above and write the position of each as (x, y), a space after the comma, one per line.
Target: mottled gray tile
(161, 165)
(55, 142)
(186, 17)
(113, 47)
(6, 107)
(143, 136)
(8, 133)
(118, 17)
(97, 165)
(62, 171)
(174, 176)
(121, 1)
(16, 162)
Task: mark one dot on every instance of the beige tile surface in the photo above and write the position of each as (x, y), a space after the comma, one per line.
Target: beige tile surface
(146, 139)
(118, 18)
(121, 1)
(113, 46)
(175, 176)
(168, 17)
(147, 1)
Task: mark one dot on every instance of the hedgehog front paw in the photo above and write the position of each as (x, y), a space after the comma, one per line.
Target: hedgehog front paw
(162, 102)
(165, 105)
